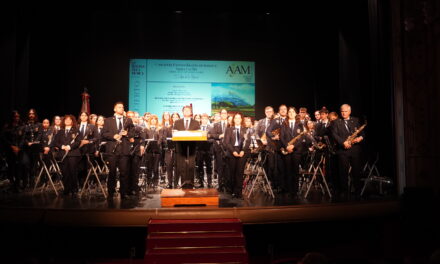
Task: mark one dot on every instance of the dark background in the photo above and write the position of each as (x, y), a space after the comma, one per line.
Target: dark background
(319, 53)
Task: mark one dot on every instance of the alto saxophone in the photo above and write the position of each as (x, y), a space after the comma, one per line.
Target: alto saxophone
(292, 142)
(353, 136)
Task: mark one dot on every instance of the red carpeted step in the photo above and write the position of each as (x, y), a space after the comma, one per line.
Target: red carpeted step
(195, 239)
(198, 255)
(190, 225)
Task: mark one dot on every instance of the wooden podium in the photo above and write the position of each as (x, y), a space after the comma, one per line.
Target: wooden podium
(186, 154)
(189, 197)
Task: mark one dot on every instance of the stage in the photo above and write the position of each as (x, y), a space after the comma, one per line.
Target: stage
(137, 210)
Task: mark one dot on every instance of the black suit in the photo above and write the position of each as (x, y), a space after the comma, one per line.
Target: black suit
(169, 158)
(118, 154)
(69, 167)
(186, 173)
(204, 158)
(277, 166)
(236, 164)
(340, 131)
(219, 155)
(292, 160)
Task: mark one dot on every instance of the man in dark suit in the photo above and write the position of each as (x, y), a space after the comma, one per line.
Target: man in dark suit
(185, 150)
(116, 132)
(349, 154)
(217, 133)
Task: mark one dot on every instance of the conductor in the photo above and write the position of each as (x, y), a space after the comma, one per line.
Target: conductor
(185, 150)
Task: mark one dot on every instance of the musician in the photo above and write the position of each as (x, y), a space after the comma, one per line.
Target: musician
(92, 119)
(204, 154)
(290, 129)
(186, 173)
(116, 132)
(277, 166)
(165, 123)
(238, 151)
(332, 116)
(197, 117)
(87, 135)
(266, 122)
(66, 143)
(217, 134)
(98, 139)
(317, 116)
(46, 136)
(251, 133)
(348, 153)
(13, 142)
(32, 130)
(323, 124)
(303, 115)
(153, 134)
(136, 152)
(56, 124)
(175, 117)
(168, 148)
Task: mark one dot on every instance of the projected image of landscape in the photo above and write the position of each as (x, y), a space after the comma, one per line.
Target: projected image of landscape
(158, 86)
(234, 97)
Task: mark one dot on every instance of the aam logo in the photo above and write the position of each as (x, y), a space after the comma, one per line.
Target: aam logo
(238, 69)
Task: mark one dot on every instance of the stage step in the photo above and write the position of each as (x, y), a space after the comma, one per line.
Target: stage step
(195, 241)
(191, 225)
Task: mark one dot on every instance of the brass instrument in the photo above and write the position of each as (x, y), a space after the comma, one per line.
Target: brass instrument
(292, 142)
(353, 136)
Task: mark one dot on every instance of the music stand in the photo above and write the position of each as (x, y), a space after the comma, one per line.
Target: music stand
(37, 148)
(318, 171)
(93, 169)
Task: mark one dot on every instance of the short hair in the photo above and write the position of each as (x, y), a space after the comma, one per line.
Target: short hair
(187, 106)
(304, 109)
(205, 115)
(279, 107)
(118, 102)
(346, 105)
(268, 107)
(323, 110)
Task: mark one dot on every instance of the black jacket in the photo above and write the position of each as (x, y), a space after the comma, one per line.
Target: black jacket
(110, 129)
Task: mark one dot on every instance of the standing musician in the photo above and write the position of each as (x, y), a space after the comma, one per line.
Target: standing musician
(153, 133)
(274, 141)
(116, 132)
(238, 151)
(186, 173)
(204, 154)
(66, 143)
(348, 153)
(168, 149)
(217, 133)
(13, 140)
(87, 135)
(262, 127)
(136, 153)
(46, 136)
(98, 140)
(291, 128)
(32, 130)
(166, 122)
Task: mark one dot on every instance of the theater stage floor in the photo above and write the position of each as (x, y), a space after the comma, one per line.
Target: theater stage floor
(95, 210)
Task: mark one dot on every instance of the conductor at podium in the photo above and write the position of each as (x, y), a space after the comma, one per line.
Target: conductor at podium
(186, 150)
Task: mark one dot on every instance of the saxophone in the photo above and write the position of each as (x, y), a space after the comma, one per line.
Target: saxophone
(352, 137)
(292, 142)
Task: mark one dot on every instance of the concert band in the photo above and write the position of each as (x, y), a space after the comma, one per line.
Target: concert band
(127, 141)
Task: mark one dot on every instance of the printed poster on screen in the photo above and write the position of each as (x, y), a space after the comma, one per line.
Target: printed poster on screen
(158, 86)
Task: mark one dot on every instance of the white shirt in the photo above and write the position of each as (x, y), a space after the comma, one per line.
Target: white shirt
(236, 138)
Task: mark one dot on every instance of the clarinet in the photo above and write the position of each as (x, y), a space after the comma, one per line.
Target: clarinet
(119, 141)
(66, 151)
